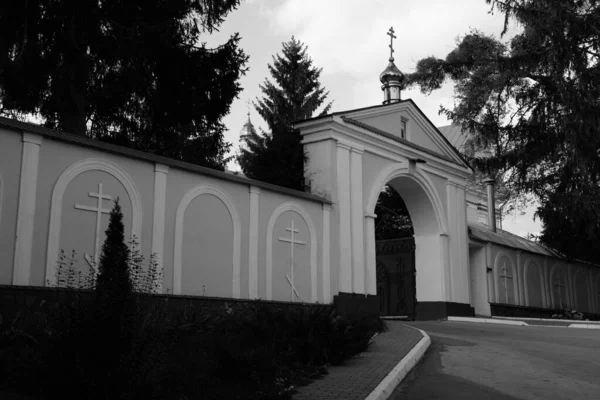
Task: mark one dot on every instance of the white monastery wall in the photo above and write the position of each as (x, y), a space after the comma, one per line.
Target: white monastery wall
(10, 167)
(536, 280)
(214, 235)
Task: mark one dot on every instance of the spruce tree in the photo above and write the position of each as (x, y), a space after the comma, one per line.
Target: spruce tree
(131, 72)
(277, 156)
(113, 276)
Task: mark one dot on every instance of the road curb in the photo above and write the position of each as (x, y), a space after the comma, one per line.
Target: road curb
(487, 321)
(519, 323)
(584, 326)
(550, 320)
(387, 386)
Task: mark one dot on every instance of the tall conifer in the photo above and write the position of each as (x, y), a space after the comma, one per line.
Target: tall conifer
(277, 156)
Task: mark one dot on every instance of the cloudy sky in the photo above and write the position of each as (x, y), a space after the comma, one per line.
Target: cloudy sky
(347, 39)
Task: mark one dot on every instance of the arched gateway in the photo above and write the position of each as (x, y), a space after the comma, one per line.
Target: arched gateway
(353, 155)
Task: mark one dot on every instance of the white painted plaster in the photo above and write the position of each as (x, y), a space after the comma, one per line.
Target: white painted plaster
(326, 262)
(26, 208)
(290, 206)
(158, 222)
(526, 279)
(345, 215)
(370, 255)
(554, 301)
(491, 279)
(357, 223)
(497, 271)
(520, 279)
(401, 170)
(453, 246)
(253, 244)
(178, 246)
(56, 206)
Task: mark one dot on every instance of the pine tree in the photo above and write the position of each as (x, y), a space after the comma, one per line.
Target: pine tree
(130, 72)
(533, 102)
(278, 157)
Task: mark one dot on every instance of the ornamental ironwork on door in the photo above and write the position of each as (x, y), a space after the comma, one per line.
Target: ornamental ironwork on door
(383, 286)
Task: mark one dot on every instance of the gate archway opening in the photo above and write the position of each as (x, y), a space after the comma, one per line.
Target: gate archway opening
(422, 254)
(395, 256)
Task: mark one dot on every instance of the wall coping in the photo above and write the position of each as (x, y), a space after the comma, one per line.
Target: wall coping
(26, 127)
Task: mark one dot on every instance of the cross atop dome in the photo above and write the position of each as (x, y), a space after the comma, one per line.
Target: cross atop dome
(391, 77)
(392, 37)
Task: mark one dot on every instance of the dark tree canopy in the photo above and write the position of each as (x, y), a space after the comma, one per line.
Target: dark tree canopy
(278, 156)
(131, 72)
(533, 102)
(393, 220)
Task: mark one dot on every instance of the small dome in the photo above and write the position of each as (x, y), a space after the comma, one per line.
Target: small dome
(247, 129)
(391, 73)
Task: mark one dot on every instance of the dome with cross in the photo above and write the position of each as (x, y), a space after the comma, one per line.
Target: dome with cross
(391, 77)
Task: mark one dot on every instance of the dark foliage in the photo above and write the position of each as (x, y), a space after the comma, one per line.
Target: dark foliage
(533, 103)
(133, 72)
(393, 220)
(278, 157)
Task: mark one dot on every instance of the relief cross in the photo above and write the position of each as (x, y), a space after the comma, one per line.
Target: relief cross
(99, 211)
(292, 241)
(506, 277)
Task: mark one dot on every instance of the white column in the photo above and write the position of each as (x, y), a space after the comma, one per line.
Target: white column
(490, 273)
(463, 242)
(345, 237)
(253, 244)
(546, 285)
(570, 287)
(356, 200)
(26, 208)
(454, 273)
(445, 267)
(326, 262)
(370, 255)
(520, 281)
(158, 224)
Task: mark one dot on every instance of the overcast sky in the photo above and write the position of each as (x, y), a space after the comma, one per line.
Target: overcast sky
(347, 39)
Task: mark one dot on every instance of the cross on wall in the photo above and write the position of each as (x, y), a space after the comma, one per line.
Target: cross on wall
(558, 285)
(292, 241)
(504, 274)
(99, 211)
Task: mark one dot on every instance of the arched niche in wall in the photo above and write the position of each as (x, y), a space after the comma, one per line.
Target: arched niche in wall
(57, 204)
(207, 248)
(534, 284)
(311, 240)
(559, 287)
(505, 276)
(580, 285)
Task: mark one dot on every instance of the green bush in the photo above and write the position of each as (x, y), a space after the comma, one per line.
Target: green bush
(108, 339)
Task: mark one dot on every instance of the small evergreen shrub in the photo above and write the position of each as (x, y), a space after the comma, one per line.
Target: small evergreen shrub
(109, 338)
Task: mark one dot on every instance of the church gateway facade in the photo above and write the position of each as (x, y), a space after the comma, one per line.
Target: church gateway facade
(218, 234)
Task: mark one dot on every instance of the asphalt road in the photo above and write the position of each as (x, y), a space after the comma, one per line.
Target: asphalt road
(485, 361)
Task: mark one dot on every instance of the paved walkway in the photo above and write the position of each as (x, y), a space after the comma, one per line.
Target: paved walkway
(357, 377)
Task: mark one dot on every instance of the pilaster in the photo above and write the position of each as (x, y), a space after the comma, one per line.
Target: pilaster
(326, 262)
(26, 208)
(370, 254)
(345, 217)
(490, 273)
(356, 200)
(253, 244)
(520, 280)
(158, 223)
